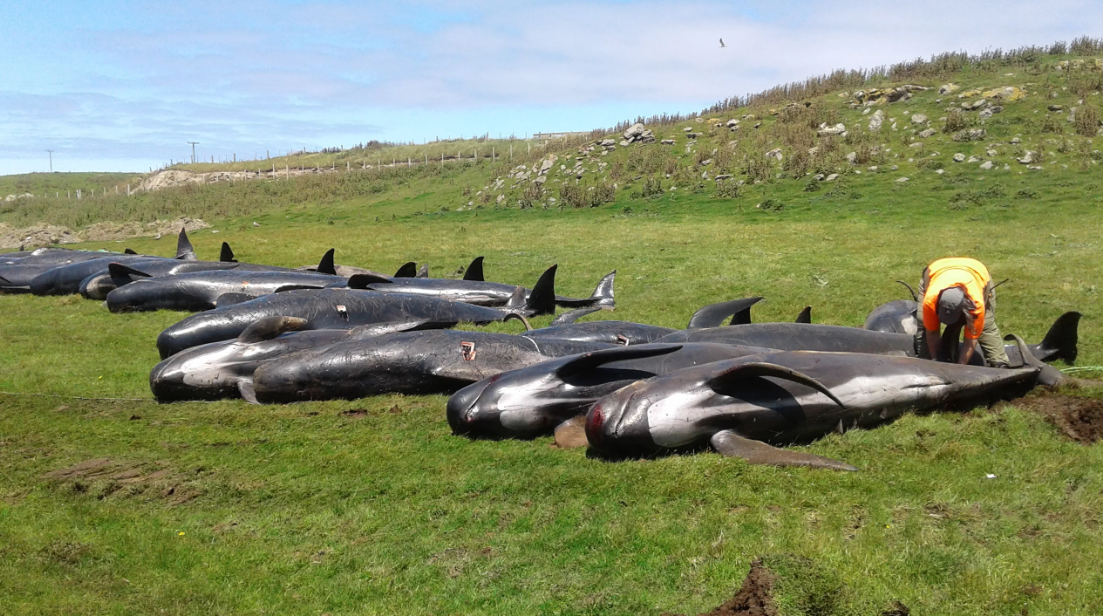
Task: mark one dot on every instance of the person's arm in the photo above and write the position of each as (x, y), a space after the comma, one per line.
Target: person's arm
(933, 342)
(967, 349)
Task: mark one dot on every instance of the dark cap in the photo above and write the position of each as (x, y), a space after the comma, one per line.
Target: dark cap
(951, 305)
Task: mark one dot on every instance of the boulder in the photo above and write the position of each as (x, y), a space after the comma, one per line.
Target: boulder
(667, 142)
(972, 134)
(919, 118)
(825, 130)
(774, 153)
(901, 180)
(930, 132)
(877, 120)
(1027, 158)
(959, 158)
(733, 123)
(986, 165)
(636, 130)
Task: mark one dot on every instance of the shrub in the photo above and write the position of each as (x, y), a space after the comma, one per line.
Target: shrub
(956, 120)
(1087, 119)
(572, 195)
(652, 187)
(601, 194)
(728, 189)
(1051, 124)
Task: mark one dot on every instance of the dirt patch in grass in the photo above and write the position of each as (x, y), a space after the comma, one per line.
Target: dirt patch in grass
(104, 477)
(1080, 419)
(754, 598)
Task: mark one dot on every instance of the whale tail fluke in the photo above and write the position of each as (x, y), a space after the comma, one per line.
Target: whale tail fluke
(603, 293)
(475, 270)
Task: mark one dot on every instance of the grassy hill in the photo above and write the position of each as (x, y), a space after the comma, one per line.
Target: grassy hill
(111, 503)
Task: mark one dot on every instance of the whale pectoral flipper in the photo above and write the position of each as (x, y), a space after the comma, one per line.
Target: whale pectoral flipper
(730, 444)
(571, 433)
(1047, 375)
(245, 388)
(760, 368)
(361, 281)
(228, 299)
(270, 327)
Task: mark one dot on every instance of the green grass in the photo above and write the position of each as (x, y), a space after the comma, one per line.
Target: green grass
(51, 184)
(401, 517)
(301, 509)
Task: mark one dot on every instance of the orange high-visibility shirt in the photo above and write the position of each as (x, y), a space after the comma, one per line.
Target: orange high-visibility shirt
(972, 277)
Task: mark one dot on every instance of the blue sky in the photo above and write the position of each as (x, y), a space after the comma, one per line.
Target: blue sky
(116, 85)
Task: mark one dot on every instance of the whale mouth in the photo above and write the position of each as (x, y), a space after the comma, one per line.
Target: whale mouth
(462, 410)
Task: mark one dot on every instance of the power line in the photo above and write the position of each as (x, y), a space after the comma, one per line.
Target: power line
(193, 144)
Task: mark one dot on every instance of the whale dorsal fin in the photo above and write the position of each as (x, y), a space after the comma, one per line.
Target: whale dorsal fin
(129, 251)
(408, 270)
(593, 359)
(730, 444)
(475, 270)
(227, 254)
(325, 266)
(805, 315)
(270, 327)
(760, 368)
(542, 298)
(184, 250)
(713, 315)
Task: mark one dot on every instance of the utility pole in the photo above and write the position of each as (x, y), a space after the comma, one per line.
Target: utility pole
(193, 144)
(51, 160)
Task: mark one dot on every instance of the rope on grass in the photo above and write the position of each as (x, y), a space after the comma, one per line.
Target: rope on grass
(1076, 369)
(12, 393)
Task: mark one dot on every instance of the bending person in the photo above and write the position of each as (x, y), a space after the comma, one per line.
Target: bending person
(955, 291)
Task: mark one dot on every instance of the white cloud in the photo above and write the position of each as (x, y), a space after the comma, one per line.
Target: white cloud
(265, 72)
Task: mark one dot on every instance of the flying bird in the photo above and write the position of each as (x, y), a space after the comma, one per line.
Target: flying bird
(722, 43)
